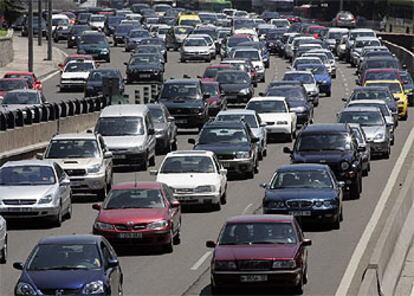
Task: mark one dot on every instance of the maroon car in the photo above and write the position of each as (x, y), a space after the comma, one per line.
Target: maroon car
(144, 214)
(216, 102)
(380, 74)
(259, 251)
(9, 84)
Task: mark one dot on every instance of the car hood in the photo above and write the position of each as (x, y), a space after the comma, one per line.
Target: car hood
(61, 279)
(265, 117)
(183, 103)
(300, 193)
(322, 77)
(92, 47)
(187, 180)
(233, 87)
(223, 148)
(25, 192)
(310, 87)
(371, 131)
(195, 48)
(125, 216)
(249, 252)
(323, 156)
(66, 75)
(155, 67)
(76, 163)
(124, 141)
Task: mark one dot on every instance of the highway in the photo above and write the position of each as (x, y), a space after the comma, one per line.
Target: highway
(185, 271)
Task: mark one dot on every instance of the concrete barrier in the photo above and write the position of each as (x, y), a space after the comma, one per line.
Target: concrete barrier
(403, 40)
(6, 49)
(405, 56)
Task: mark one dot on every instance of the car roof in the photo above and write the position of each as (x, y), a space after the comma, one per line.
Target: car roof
(237, 112)
(225, 124)
(267, 98)
(303, 167)
(137, 185)
(28, 162)
(183, 80)
(190, 152)
(75, 136)
(359, 109)
(18, 72)
(124, 110)
(369, 87)
(24, 90)
(298, 72)
(260, 218)
(325, 127)
(86, 239)
(373, 101)
(383, 81)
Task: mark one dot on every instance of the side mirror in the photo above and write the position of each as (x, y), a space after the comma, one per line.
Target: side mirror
(287, 150)
(344, 99)
(261, 94)
(108, 154)
(18, 265)
(341, 183)
(223, 171)
(151, 131)
(125, 63)
(64, 182)
(60, 66)
(263, 185)
(175, 203)
(191, 141)
(170, 119)
(39, 156)
(153, 172)
(210, 244)
(112, 263)
(306, 242)
(263, 124)
(97, 207)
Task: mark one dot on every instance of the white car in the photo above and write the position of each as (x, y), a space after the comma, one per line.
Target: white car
(255, 57)
(75, 74)
(3, 240)
(35, 189)
(280, 23)
(253, 120)
(196, 177)
(97, 22)
(331, 59)
(85, 159)
(195, 49)
(210, 43)
(274, 111)
(60, 21)
(308, 81)
(247, 31)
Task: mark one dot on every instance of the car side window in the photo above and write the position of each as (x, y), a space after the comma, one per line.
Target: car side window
(59, 171)
(106, 254)
(216, 163)
(168, 193)
(102, 143)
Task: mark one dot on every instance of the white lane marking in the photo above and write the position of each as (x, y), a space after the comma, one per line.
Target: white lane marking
(200, 261)
(369, 229)
(50, 75)
(246, 209)
(412, 290)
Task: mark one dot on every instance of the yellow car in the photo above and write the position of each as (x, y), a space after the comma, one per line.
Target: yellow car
(188, 19)
(397, 91)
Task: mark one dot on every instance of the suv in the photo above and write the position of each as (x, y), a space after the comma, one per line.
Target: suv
(334, 145)
(234, 144)
(185, 101)
(85, 159)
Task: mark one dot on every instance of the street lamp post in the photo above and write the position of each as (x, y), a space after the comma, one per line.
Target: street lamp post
(49, 30)
(30, 37)
(39, 22)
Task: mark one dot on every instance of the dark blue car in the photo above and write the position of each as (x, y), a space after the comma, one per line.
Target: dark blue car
(308, 191)
(70, 265)
(321, 74)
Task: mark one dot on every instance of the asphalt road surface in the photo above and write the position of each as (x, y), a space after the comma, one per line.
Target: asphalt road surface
(185, 271)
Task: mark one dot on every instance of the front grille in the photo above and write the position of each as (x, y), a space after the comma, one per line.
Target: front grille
(63, 292)
(255, 265)
(139, 226)
(183, 190)
(299, 204)
(121, 227)
(184, 111)
(225, 156)
(75, 172)
(19, 202)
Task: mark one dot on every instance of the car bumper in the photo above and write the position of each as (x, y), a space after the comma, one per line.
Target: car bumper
(99, 56)
(274, 129)
(119, 40)
(307, 215)
(324, 88)
(241, 166)
(379, 147)
(19, 212)
(144, 76)
(117, 238)
(198, 199)
(196, 56)
(129, 159)
(190, 121)
(238, 98)
(76, 84)
(88, 183)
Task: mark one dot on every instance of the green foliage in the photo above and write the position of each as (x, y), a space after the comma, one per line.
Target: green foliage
(11, 9)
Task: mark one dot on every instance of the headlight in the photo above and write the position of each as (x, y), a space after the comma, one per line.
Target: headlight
(276, 204)
(284, 264)
(282, 122)
(104, 51)
(206, 188)
(45, 200)
(96, 287)
(244, 91)
(73, 38)
(242, 154)
(25, 289)
(379, 136)
(103, 226)
(158, 225)
(344, 165)
(136, 149)
(324, 81)
(95, 168)
(225, 265)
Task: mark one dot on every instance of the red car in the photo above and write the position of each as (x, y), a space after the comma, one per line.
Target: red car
(260, 251)
(144, 214)
(316, 31)
(380, 74)
(31, 78)
(211, 71)
(215, 101)
(8, 84)
(77, 58)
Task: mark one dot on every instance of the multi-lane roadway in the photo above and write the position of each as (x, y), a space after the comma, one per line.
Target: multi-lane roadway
(185, 271)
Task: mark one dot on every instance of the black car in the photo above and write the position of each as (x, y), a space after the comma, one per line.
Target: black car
(144, 67)
(156, 41)
(94, 84)
(75, 264)
(35, 25)
(297, 99)
(95, 44)
(185, 101)
(153, 49)
(334, 145)
(121, 32)
(234, 144)
(111, 23)
(236, 86)
(309, 192)
(274, 40)
(74, 34)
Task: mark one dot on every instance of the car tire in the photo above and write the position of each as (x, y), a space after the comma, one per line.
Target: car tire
(177, 238)
(405, 117)
(58, 219)
(328, 94)
(108, 60)
(298, 289)
(169, 248)
(215, 290)
(223, 198)
(337, 223)
(265, 152)
(101, 194)
(387, 153)
(217, 206)
(354, 190)
(365, 172)
(151, 161)
(174, 145)
(3, 253)
(69, 210)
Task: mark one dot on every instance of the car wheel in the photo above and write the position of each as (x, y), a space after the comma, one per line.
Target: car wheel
(177, 238)
(152, 161)
(365, 172)
(57, 220)
(69, 210)
(354, 190)
(120, 289)
(405, 117)
(169, 248)
(215, 290)
(337, 223)
(260, 155)
(298, 289)
(3, 252)
(328, 94)
(217, 206)
(101, 193)
(387, 154)
(108, 60)
(306, 276)
(223, 198)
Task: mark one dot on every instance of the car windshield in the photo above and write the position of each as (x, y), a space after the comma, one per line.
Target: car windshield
(383, 108)
(388, 75)
(378, 64)
(211, 89)
(234, 41)
(188, 164)
(258, 233)
(120, 126)
(233, 77)
(29, 78)
(364, 118)
(336, 35)
(250, 119)
(267, 106)
(99, 75)
(280, 23)
(394, 87)
(363, 43)
(247, 54)
(144, 59)
(288, 92)
(189, 22)
(64, 257)
(212, 72)
(355, 35)
(179, 91)
(157, 115)
(78, 29)
(21, 98)
(138, 34)
(6, 85)
(302, 179)
(223, 135)
(324, 142)
(134, 198)
(28, 175)
(163, 31)
(243, 23)
(195, 42)
(93, 39)
(304, 78)
(60, 22)
(369, 95)
(123, 28)
(73, 149)
(78, 67)
(114, 20)
(307, 61)
(315, 69)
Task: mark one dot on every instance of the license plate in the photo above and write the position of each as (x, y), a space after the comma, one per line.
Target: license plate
(300, 213)
(144, 75)
(253, 278)
(130, 235)
(19, 210)
(181, 121)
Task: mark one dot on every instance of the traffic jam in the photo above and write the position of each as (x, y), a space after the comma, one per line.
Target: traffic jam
(232, 125)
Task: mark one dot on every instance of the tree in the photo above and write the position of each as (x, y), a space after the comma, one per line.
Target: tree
(11, 10)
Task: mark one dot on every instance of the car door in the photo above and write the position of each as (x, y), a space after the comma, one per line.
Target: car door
(64, 190)
(172, 128)
(112, 274)
(223, 177)
(107, 161)
(175, 212)
(151, 140)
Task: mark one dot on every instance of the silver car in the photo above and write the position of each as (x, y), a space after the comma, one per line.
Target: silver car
(35, 188)
(363, 147)
(253, 121)
(3, 241)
